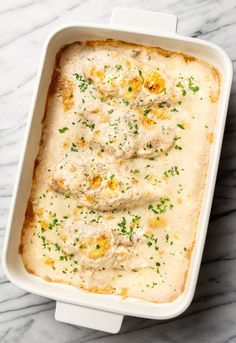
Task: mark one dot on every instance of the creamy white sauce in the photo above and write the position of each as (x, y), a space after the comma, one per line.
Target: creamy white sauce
(117, 191)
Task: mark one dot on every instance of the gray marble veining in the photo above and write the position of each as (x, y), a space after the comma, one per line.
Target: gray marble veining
(24, 24)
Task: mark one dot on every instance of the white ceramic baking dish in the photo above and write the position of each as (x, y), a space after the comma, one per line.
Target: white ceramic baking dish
(106, 312)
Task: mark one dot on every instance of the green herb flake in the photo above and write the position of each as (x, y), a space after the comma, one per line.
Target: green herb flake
(63, 129)
(74, 147)
(147, 111)
(141, 75)
(125, 101)
(181, 126)
(181, 87)
(83, 83)
(162, 206)
(191, 86)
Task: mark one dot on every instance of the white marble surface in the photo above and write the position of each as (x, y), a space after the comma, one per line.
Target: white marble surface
(24, 24)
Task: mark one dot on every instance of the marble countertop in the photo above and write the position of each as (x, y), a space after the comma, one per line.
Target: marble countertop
(26, 317)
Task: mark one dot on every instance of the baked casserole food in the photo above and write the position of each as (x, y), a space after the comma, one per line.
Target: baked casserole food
(119, 178)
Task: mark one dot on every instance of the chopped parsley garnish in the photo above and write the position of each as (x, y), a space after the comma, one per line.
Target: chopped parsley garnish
(53, 224)
(135, 171)
(151, 241)
(162, 206)
(83, 84)
(110, 111)
(133, 126)
(125, 101)
(172, 171)
(74, 147)
(141, 74)
(124, 229)
(181, 126)
(91, 126)
(191, 86)
(63, 129)
(118, 66)
(178, 147)
(157, 266)
(181, 87)
(130, 89)
(57, 247)
(148, 110)
(129, 230)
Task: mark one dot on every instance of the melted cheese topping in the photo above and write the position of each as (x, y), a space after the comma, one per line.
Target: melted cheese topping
(120, 174)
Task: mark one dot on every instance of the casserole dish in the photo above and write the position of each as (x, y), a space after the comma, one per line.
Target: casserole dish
(105, 312)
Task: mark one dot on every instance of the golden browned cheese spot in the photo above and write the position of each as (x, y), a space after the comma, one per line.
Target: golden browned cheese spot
(99, 290)
(96, 134)
(160, 113)
(94, 247)
(66, 144)
(128, 64)
(81, 142)
(109, 217)
(49, 261)
(145, 121)
(176, 235)
(112, 184)
(65, 89)
(154, 82)
(157, 223)
(94, 109)
(210, 137)
(133, 86)
(179, 201)
(58, 182)
(99, 74)
(124, 292)
(213, 96)
(90, 198)
(72, 169)
(63, 237)
(44, 224)
(135, 181)
(95, 182)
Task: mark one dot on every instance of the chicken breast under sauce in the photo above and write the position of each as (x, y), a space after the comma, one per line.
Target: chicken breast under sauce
(100, 184)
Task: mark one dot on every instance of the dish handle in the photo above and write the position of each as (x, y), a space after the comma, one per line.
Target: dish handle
(88, 317)
(144, 19)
